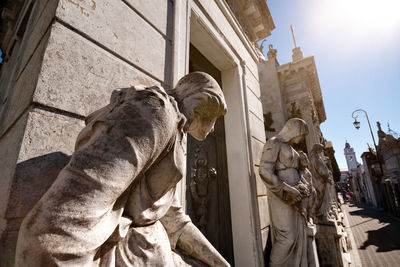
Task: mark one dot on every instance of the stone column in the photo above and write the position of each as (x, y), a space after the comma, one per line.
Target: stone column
(332, 250)
(312, 253)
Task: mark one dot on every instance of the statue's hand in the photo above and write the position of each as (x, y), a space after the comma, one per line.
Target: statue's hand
(314, 193)
(303, 189)
(293, 195)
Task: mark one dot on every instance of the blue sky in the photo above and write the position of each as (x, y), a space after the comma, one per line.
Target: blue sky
(356, 44)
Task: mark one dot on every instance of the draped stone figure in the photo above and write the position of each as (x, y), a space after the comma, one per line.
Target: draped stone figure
(279, 168)
(114, 204)
(306, 178)
(322, 180)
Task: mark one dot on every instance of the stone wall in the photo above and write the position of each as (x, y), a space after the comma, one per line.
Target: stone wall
(66, 59)
(271, 96)
(69, 55)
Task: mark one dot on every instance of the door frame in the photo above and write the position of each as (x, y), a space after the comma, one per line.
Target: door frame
(205, 35)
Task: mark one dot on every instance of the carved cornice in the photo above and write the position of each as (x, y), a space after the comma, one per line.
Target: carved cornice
(305, 72)
(254, 17)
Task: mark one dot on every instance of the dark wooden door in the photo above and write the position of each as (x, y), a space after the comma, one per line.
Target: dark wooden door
(207, 186)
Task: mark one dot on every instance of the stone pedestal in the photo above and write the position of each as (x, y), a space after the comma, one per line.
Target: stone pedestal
(312, 253)
(331, 246)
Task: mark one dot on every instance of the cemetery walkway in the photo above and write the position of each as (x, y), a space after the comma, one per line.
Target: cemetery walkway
(376, 234)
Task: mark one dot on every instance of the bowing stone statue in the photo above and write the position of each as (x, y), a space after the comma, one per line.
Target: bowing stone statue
(114, 204)
(279, 168)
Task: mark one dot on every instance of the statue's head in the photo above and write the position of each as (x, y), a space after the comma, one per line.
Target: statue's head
(201, 100)
(317, 148)
(294, 131)
(303, 160)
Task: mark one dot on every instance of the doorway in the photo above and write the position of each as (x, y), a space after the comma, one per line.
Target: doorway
(207, 185)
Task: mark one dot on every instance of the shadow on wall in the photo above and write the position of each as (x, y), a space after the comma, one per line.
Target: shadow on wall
(385, 238)
(268, 247)
(32, 179)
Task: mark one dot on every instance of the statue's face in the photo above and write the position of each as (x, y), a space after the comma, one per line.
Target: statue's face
(201, 126)
(297, 139)
(303, 162)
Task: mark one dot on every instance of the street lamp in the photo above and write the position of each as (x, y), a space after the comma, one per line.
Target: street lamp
(356, 124)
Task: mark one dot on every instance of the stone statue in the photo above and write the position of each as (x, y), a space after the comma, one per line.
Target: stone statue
(322, 180)
(114, 204)
(279, 168)
(306, 178)
(201, 175)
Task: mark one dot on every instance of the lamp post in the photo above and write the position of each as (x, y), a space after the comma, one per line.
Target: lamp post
(356, 124)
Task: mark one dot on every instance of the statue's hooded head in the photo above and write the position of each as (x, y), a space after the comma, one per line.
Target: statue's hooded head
(303, 159)
(293, 131)
(317, 148)
(201, 100)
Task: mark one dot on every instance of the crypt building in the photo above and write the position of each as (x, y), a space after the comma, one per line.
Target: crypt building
(63, 58)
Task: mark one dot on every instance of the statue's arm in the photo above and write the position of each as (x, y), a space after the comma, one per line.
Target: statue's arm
(267, 166)
(268, 162)
(183, 233)
(322, 169)
(194, 243)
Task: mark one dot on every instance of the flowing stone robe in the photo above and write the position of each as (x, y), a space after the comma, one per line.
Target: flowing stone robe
(289, 235)
(321, 181)
(114, 203)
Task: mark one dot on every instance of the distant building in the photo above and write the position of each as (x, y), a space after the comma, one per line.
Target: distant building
(370, 176)
(350, 155)
(292, 90)
(382, 172)
(355, 175)
(389, 155)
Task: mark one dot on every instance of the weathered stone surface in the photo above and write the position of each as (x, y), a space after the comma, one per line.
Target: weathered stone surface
(253, 84)
(158, 12)
(44, 139)
(80, 80)
(264, 212)
(109, 199)
(312, 253)
(322, 182)
(329, 246)
(271, 96)
(261, 188)
(279, 167)
(254, 103)
(257, 147)
(127, 34)
(43, 14)
(9, 150)
(264, 237)
(8, 241)
(47, 132)
(256, 128)
(48, 141)
(220, 19)
(20, 96)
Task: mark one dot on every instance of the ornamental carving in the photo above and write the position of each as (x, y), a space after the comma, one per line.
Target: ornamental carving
(201, 175)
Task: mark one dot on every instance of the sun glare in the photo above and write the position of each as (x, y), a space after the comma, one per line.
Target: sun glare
(356, 21)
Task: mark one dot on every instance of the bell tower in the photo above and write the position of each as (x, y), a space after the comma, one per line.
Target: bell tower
(350, 157)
